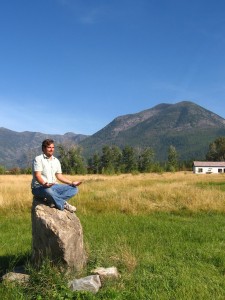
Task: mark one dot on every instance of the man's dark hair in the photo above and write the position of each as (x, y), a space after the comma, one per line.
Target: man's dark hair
(46, 143)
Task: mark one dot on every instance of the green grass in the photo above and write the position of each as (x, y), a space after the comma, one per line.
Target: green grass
(216, 185)
(15, 240)
(178, 256)
(159, 256)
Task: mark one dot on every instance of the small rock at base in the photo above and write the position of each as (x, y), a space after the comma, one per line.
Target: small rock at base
(111, 272)
(90, 283)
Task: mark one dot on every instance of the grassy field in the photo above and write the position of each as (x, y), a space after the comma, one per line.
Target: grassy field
(164, 232)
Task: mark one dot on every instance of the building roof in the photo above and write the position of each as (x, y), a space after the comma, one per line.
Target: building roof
(209, 163)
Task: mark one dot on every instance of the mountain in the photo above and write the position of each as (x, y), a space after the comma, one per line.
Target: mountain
(185, 125)
(17, 149)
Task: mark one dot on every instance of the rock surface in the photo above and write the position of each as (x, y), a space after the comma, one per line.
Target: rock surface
(57, 235)
(13, 276)
(104, 273)
(90, 283)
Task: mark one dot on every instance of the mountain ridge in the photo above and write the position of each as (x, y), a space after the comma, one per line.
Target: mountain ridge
(18, 148)
(185, 125)
(177, 124)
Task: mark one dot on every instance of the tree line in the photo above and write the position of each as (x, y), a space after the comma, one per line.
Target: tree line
(114, 160)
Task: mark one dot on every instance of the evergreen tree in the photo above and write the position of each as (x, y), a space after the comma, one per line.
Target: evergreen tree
(2, 169)
(146, 160)
(94, 164)
(172, 159)
(64, 158)
(116, 158)
(108, 163)
(71, 160)
(76, 161)
(107, 160)
(129, 160)
(216, 150)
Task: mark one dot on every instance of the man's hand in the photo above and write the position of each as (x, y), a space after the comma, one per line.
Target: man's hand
(48, 185)
(76, 183)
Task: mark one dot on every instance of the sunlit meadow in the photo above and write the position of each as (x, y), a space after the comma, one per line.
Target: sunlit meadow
(164, 232)
(132, 194)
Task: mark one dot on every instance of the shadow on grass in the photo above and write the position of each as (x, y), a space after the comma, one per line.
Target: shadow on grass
(16, 263)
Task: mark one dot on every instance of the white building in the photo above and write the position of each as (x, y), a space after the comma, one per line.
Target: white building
(208, 167)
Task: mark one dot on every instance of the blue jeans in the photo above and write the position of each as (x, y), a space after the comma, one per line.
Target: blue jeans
(58, 193)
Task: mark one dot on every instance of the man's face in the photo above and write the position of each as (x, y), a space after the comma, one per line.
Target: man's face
(49, 150)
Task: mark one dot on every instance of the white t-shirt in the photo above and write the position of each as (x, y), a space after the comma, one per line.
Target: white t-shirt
(48, 168)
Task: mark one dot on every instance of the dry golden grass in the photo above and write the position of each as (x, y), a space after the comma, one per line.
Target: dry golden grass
(126, 258)
(133, 194)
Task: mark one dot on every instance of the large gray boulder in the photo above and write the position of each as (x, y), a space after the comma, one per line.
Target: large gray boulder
(57, 235)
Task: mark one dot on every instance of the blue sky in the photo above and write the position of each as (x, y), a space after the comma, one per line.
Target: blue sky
(75, 65)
